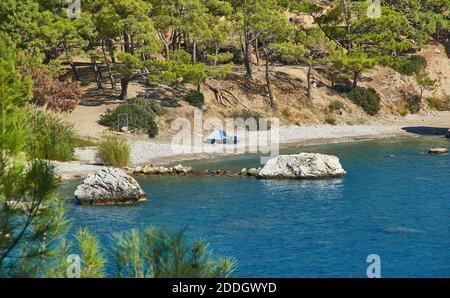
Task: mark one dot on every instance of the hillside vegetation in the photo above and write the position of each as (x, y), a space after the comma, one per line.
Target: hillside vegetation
(305, 61)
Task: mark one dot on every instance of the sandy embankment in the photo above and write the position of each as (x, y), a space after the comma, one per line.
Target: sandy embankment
(154, 152)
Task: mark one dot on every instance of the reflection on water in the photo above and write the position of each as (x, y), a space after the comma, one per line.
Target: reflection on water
(394, 203)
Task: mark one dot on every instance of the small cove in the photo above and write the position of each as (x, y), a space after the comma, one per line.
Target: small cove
(394, 203)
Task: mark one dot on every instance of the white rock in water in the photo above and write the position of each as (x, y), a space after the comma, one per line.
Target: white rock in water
(109, 186)
(253, 172)
(302, 166)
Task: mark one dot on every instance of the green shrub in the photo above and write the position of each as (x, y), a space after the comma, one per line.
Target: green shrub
(141, 117)
(403, 110)
(52, 138)
(410, 66)
(331, 120)
(368, 99)
(413, 103)
(114, 151)
(157, 108)
(237, 54)
(342, 88)
(248, 114)
(335, 105)
(286, 112)
(438, 104)
(195, 99)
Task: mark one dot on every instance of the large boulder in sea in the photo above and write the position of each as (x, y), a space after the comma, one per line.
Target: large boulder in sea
(302, 166)
(109, 186)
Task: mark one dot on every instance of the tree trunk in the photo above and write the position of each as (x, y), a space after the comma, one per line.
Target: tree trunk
(308, 77)
(75, 71)
(124, 92)
(108, 66)
(131, 44)
(194, 52)
(167, 50)
(348, 25)
(257, 52)
(174, 40)
(248, 56)
(186, 41)
(421, 98)
(100, 72)
(126, 43)
(111, 50)
(96, 74)
(355, 79)
(4, 151)
(72, 65)
(217, 53)
(179, 37)
(166, 45)
(272, 102)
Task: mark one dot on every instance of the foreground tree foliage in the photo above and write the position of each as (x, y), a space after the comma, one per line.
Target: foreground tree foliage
(149, 253)
(33, 222)
(157, 253)
(31, 215)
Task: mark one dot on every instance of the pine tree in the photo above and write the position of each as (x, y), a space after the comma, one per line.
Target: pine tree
(32, 216)
(425, 84)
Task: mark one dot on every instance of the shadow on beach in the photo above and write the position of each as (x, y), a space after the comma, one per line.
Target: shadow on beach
(426, 130)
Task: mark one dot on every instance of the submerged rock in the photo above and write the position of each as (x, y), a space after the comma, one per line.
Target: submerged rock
(243, 172)
(178, 170)
(254, 172)
(302, 166)
(109, 186)
(438, 151)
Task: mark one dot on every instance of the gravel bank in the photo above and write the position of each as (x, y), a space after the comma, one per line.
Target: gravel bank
(147, 152)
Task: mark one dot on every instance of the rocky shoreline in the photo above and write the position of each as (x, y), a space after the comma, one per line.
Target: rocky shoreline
(113, 186)
(295, 166)
(180, 170)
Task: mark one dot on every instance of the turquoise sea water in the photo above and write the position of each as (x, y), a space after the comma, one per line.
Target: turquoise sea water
(395, 202)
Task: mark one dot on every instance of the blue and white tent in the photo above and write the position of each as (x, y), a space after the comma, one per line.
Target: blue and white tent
(221, 137)
(217, 137)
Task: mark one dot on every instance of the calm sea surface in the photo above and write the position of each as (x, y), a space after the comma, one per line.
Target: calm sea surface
(395, 202)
